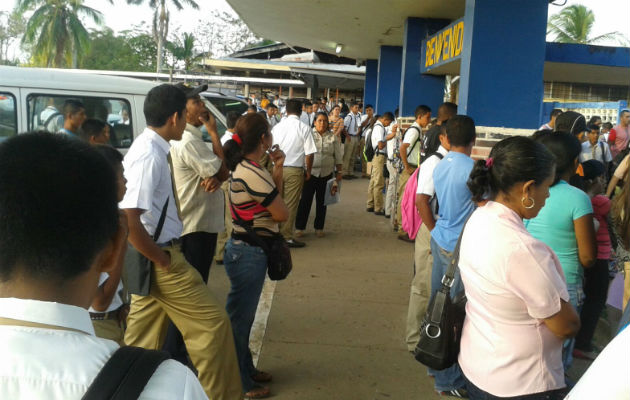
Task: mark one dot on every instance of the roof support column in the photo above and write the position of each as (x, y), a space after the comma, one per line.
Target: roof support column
(503, 56)
(388, 79)
(369, 89)
(417, 88)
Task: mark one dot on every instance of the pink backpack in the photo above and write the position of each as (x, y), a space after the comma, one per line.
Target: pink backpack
(411, 220)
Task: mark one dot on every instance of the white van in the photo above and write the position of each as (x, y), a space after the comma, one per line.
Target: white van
(32, 98)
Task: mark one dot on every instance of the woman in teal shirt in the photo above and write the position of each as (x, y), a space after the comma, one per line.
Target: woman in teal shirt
(565, 223)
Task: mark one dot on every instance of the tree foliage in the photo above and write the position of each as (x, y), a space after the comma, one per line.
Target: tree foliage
(132, 50)
(11, 30)
(54, 32)
(183, 50)
(222, 34)
(574, 24)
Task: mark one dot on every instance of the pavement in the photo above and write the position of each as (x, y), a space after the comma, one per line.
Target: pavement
(335, 328)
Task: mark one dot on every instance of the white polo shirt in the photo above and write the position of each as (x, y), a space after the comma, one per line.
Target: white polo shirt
(425, 176)
(602, 152)
(391, 143)
(61, 362)
(378, 135)
(149, 184)
(352, 122)
(295, 140)
(412, 138)
(304, 117)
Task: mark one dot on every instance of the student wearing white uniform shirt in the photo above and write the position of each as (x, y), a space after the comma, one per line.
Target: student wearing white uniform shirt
(177, 290)
(270, 113)
(351, 122)
(393, 134)
(377, 181)
(366, 121)
(426, 204)
(307, 109)
(296, 141)
(47, 341)
(595, 149)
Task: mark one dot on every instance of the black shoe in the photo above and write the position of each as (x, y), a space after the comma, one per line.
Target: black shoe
(295, 243)
(405, 238)
(218, 262)
(379, 213)
(461, 393)
(387, 216)
(369, 209)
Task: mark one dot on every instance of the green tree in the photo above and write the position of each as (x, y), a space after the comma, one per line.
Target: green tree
(183, 49)
(128, 51)
(160, 21)
(574, 25)
(11, 29)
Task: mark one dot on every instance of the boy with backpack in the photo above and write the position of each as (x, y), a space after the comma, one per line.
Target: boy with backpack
(377, 181)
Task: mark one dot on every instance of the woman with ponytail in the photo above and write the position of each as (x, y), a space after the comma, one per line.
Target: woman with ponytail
(255, 200)
(518, 311)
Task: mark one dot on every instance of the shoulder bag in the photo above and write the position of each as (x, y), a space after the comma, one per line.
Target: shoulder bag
(441, 329)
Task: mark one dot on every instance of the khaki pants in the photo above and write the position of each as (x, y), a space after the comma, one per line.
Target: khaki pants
(402, 182)
(420, 286)
(109, 329)
(223, 237)
(359, 153)
(292, 182)
(377, 183)
(348, 154)
(181, 296)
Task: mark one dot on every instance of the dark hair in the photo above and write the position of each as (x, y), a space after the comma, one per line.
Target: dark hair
(570, 121)
(449, 108)
(565, 147)
(307, 103)
(541, 132)
(114, 157)
(58, 202)
(72, 106)
(623, 112)
(252, 107)
(354, 103)
(460, 130)
(515, 159)
(594, 119)
(231, 118)
(607, 125)
(421, 110)
(91, 127)
(555, 112)
(369, 106)
(592, 127)
(250, 128)
(162, 102)
(388, 115)
(293, 106)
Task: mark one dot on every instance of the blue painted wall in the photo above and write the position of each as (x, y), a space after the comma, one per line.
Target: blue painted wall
(501, 80)
(388, 80)
(416, 88)
(369, 88)
(587, 54)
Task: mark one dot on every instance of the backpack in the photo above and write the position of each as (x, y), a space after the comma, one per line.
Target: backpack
(431, 143)
(125, 374)
(368, 150)
(419, 140)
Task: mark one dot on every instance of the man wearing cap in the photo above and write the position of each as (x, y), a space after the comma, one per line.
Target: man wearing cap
(198, 171)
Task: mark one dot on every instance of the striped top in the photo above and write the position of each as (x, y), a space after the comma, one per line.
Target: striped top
(252, 189)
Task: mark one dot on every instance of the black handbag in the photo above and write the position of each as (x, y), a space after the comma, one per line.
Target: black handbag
(138, 268)
(441, 329)
(279, 263)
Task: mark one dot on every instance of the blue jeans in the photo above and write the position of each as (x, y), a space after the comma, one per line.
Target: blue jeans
(576, 298)
(246, 266)
(452, 377)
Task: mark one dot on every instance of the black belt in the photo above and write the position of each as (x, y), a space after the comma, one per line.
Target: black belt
(170, 243)
(106, 315)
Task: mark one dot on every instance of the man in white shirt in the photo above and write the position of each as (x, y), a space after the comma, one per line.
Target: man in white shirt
(377, 180)
(352, 123)
(410, 157)
(270, 113)
(426, 203)
(366, 119)
(552, 120)
(393, 135)
(177, 291)
(198, 172)
(47, 341)
(595, 149)
(296, 141)
(305, 117)
(51, 119)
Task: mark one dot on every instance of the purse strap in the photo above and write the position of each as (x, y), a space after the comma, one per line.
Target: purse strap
(449, 276)
(246, 225)
(158, 229)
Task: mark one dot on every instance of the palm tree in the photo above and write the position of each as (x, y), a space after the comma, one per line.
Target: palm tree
(160, 21)
(574, 24)
(55, 31)
(184, 50)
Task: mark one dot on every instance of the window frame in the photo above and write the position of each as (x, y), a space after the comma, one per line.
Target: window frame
(15, 112)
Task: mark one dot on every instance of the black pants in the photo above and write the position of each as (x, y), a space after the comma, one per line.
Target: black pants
(474, 393)
(317, 187)
(596, 282)
(198, 249)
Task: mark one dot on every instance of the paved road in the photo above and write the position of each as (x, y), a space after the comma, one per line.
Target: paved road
(336, 325)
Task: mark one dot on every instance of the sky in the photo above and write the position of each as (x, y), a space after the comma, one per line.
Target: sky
(610, 15)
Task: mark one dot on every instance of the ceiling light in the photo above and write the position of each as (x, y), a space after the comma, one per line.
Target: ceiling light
(338, 48)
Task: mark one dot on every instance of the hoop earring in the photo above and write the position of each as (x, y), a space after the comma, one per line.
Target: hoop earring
(530, 206)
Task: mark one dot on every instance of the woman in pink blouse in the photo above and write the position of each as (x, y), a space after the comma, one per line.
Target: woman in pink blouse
(517, 314)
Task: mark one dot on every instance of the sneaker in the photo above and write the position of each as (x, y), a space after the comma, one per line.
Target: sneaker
(299, 233)
(369, 209)
(295, 243)
(461, 393)
(379, 213)
(387, 216)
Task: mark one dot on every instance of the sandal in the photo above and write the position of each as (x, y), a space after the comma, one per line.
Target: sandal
(258, 392)
(262, 377)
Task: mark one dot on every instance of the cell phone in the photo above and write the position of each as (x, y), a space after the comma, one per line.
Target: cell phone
(273, 148)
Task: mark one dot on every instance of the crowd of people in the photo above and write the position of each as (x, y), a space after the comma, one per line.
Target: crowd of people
(540, 221)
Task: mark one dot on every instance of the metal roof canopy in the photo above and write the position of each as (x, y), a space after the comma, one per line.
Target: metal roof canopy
(361, 26)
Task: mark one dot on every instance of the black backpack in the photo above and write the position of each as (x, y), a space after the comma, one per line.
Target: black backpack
(125, 374)
(368, 150)
(431, 143)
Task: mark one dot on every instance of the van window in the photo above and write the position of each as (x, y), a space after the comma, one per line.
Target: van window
(45, 112)
(225, 105)
(221, 128)
(8, 116)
